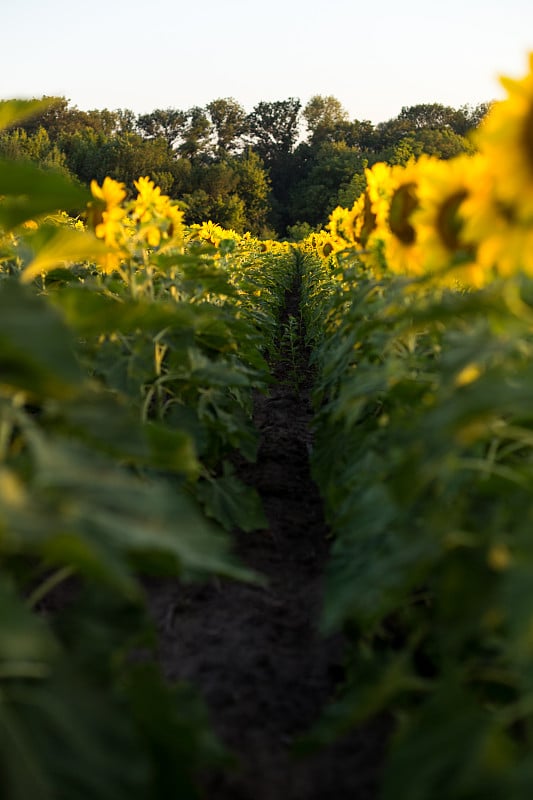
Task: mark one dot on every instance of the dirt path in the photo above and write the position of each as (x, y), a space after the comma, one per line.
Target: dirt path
(254, 653)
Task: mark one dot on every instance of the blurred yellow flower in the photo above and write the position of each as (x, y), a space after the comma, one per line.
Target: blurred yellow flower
(369, 215)
(467, 375)
(503, 237)
(443, 188)
(147, 200)
(111, 192)
(106, 215)
(499, 557)
(402, 248)
(506, 139)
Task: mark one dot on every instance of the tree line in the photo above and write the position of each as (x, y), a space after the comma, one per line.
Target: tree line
(277, 171)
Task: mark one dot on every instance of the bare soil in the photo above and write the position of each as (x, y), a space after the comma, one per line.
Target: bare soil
(255, 653)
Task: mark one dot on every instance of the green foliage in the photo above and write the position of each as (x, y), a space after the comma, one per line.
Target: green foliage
(424, 458)
(280, 178)
(17, 145)
(229, 122)
(119, 413)
(326, 119)
(329, 170)
(168, 124)
(299, 231)
(29, 193)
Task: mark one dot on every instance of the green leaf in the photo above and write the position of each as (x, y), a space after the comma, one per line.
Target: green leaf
(172, 450)
(27, 193)
(450, 748)
(15, 111)
(120, 515)
(52, 246)
(61, 739)
(36, 348)
(91, 312)
(107, 421)
(374, 565)
(175, 724)
(232, 503)
(376, 681)
(26, 646)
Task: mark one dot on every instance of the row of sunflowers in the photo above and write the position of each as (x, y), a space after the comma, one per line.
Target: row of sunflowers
(130, 349)
(418, 304)
(467, 219)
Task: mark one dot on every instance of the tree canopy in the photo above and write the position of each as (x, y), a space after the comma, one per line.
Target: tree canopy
(278, 168)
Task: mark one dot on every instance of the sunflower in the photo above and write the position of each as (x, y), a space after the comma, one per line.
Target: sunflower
(377, 198)
(402, 249)
(374, 231)
(443, 189)
(106, 201)
(326, 244)
(506, 138)
(111, 192)
(338, 224)
(147, 200)
(503, 239)
(208, 232)
(158, 216)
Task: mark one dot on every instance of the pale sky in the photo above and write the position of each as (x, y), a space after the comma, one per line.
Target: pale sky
(375, 57)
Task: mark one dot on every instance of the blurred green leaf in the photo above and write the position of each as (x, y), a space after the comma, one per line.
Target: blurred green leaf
(28, 193)
(15, 111)
(450, 749)
(233, 504)
(175, 724)
(36, 347)
(52, 245)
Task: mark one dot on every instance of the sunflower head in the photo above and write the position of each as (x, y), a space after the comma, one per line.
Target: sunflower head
(506, 138)
(527, 136)
(368, 220)
(106, 199)
(403, 202)
(448, 221)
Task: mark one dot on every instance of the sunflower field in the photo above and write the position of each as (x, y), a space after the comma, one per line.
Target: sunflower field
(419, 304)
(131, 346)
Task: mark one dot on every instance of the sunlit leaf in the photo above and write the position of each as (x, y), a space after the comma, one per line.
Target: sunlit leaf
(53, 246)
(15, 111)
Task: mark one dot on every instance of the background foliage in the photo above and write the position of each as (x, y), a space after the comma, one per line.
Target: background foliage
(277, 166)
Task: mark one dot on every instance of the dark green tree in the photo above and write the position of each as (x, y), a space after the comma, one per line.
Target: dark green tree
(124, 157)
(234, 193)
(274, 128)
(197, 134)
(169, 124)
(37, 147)
(254, 190)
(273, 132)
(326, 120)
(229, 125)
(315, 195)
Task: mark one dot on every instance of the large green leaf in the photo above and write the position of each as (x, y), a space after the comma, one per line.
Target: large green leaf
(120, 514)
(92, 312)
(62, 739)
(36, 347)
(56, 245)
(15, 111)
(233, 504)
(451, 748)
(27, 193)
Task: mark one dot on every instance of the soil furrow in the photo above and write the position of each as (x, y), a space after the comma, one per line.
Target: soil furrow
(254, 652)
